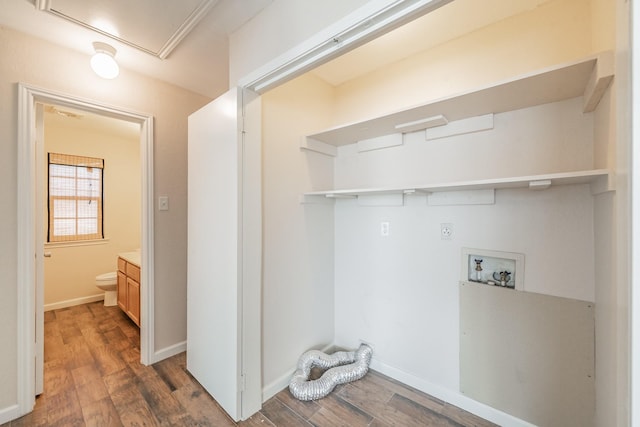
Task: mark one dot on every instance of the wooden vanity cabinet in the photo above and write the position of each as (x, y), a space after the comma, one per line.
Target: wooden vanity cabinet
(129, 289)
(122, 290)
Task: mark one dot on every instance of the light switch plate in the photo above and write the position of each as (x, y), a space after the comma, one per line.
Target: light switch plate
(163, 203)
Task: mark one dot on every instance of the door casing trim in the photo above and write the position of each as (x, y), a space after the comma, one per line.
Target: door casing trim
(31, 251)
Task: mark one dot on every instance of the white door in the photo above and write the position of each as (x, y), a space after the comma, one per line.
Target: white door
(224, 251)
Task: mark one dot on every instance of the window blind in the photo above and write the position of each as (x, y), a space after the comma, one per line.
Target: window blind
(75, 198)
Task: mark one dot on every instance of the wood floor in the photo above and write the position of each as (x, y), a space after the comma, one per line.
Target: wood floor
(93, 377)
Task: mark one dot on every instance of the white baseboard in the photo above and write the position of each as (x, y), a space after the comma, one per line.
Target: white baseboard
(276, 386)
(167, 352)
(72, 302)
(9, 413)
(451, 397)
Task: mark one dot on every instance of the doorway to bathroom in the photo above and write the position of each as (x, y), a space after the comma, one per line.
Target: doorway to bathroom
(31, 235)
(91, 206)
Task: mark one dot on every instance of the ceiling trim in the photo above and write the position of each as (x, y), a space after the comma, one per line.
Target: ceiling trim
(353, 31)
(187, 26)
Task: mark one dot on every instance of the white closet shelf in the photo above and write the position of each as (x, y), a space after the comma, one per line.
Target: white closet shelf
(598, 178)
(588, 77)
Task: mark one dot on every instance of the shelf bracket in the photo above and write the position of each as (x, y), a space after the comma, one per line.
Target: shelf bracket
(600, 79)
(603, 184)
(316, 146)
(307, 199)
(340, 196)
(542, 184)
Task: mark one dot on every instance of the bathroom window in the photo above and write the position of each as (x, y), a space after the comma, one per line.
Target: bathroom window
(75, 198)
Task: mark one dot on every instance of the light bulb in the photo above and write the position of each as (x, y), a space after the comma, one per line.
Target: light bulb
(103, 62)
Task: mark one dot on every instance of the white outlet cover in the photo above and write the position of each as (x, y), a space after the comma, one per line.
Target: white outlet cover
(384, 228)
(446, 231)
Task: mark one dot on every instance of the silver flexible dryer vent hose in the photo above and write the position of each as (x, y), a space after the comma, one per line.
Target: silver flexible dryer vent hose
(342, 367)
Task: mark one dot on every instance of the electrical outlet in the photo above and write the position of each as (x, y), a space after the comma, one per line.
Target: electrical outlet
(384, 229)
(446, 231)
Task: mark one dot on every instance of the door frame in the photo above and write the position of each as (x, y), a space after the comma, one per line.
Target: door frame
(30, 245)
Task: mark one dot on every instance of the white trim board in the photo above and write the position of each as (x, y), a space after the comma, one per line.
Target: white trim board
(447, 395)
(172, 350)
(30, 254)
(9, 413)
(634, 262)
(450, 396)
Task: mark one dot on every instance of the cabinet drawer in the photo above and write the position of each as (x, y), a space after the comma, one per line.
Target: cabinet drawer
(133, 271)
(122, 265)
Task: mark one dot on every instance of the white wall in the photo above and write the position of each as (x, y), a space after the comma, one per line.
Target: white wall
(549, 138)
(555, 32)
(297, 238)
(400, 292)
(42, 64)
(71, 270)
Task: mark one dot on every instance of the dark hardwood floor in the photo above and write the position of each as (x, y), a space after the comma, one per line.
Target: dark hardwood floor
(92, 377)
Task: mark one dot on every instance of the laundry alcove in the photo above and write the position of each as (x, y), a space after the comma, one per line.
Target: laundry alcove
(400, 292)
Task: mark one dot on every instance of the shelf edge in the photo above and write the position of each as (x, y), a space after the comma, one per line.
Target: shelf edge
(600, 179)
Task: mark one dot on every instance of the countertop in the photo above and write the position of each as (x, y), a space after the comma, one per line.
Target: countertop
(132, 257)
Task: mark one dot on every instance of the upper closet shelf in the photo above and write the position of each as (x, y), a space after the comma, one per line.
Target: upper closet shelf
(588, 77)
(598, 178)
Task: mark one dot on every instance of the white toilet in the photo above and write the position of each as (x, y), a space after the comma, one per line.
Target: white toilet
(108, 283)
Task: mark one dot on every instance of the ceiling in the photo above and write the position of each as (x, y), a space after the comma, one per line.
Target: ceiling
(139, 24)
(165, 38)
(184, 42)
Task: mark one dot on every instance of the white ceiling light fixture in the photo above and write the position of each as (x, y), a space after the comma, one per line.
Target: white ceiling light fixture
(103, 62)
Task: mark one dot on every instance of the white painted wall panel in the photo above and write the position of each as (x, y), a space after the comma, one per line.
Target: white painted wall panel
(543, 371)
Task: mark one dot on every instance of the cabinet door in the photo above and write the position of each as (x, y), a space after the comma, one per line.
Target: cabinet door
(122, 291)
(133, 297)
